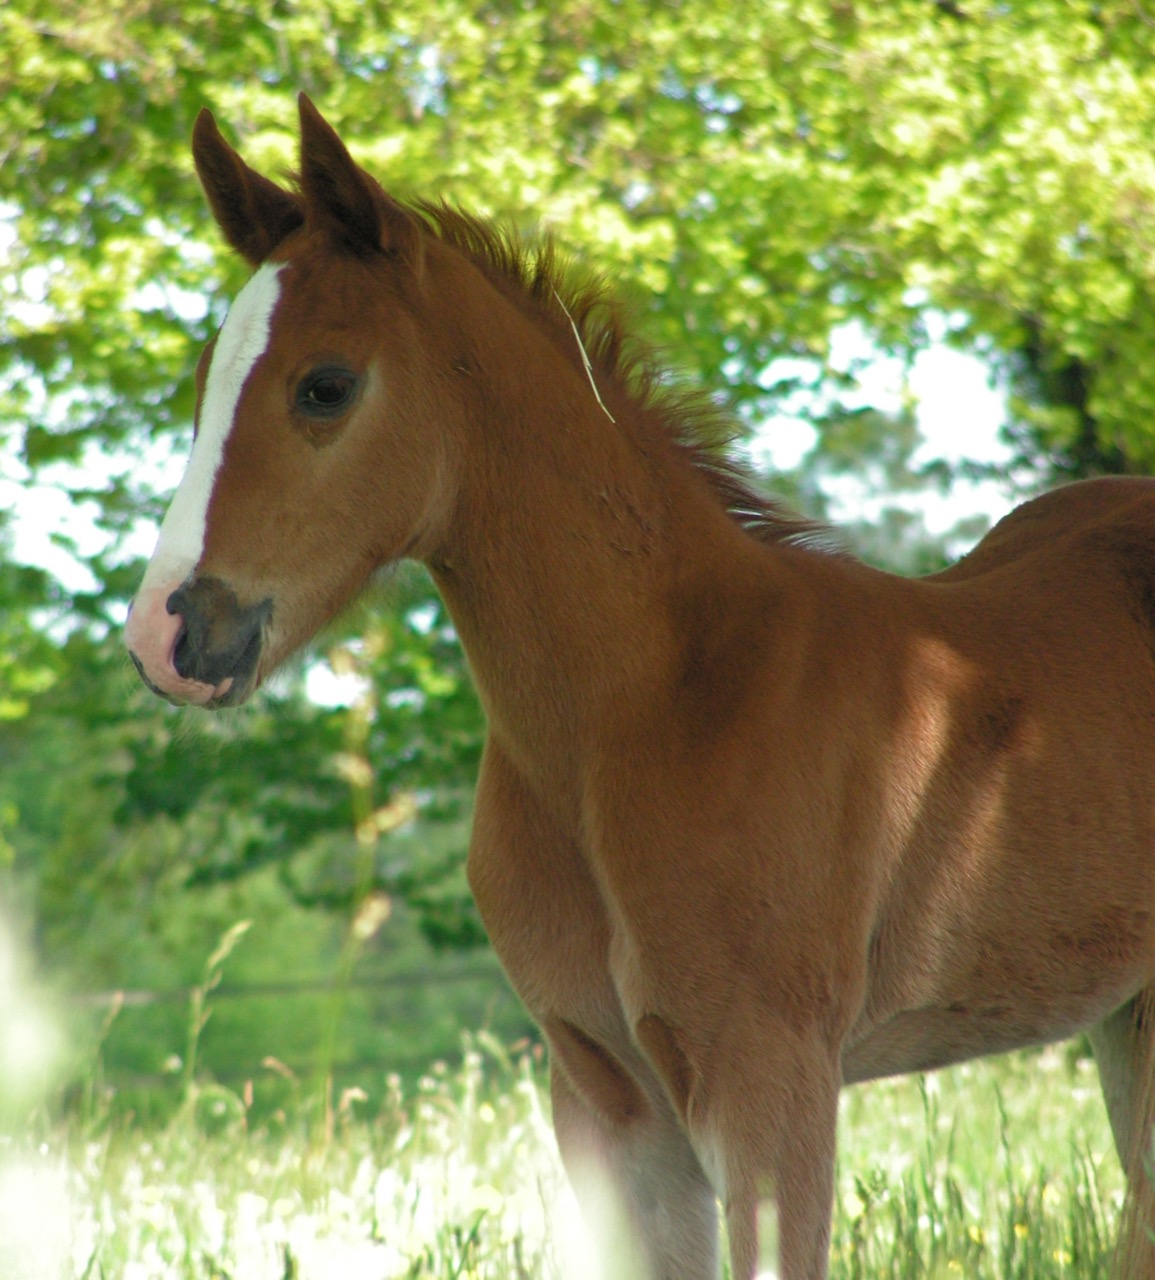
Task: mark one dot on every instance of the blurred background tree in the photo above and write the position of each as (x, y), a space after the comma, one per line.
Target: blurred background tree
(759, 178)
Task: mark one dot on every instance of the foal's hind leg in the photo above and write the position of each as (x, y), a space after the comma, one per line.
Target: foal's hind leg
(641, 1189)
(1124, 1045)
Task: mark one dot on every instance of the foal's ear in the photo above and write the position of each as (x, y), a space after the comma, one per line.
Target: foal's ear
(343, 199)
(254, 213)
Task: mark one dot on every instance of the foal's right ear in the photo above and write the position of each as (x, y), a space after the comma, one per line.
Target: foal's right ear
(254, 213)
(344, 200)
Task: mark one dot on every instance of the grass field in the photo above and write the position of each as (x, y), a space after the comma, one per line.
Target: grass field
(998, 1169)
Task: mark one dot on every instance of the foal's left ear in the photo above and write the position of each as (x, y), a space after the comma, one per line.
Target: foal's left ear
(343, 199)
(254, 213)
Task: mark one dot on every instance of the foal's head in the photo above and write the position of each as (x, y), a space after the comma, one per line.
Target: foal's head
(314, 459)
(375, 376)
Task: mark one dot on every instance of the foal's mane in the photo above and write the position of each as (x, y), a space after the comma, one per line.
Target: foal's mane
(569, 298)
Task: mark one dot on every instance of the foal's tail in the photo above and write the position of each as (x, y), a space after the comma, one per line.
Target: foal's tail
(1135, 1252)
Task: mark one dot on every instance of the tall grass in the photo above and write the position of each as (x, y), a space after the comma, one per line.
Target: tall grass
(997, 1169)
(459, 1178)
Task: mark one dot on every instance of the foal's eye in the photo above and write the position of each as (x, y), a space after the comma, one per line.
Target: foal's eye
(326, 393)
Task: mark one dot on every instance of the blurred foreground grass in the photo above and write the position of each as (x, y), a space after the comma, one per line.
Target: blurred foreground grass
(1001, 1168)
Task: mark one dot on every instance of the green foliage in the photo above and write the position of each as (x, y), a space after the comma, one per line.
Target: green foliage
(754, 176)
(758, 176)
(135, 836)
(999, 1170)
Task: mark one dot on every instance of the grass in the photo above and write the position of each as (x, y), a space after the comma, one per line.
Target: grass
(997, 1169)
(1001, 1169)
(412, 1190)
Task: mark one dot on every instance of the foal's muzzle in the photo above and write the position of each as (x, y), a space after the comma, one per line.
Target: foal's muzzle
(220, 640)
(198, 643)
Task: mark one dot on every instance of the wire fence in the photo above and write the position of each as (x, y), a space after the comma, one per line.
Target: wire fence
(137, 998)
(114, 1001)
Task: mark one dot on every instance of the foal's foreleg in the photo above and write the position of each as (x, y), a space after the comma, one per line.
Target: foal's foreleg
(775, 1117)
(641, 1189)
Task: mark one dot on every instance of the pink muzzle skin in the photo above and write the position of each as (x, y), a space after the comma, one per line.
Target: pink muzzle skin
(151, 635)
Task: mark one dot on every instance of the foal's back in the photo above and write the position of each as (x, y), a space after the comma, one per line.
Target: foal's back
(1021, 907)
(1112, 517)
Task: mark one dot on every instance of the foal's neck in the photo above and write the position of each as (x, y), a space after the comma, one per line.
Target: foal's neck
(584, 561)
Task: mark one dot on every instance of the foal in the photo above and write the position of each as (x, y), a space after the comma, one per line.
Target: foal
(754, 821)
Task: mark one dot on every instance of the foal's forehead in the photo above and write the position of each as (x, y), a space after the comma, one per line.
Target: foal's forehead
(246, 328)
(242, 340)
(306, 302)
(322, 285)
(286, 305)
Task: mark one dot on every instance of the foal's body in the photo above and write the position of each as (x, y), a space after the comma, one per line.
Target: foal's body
(754, 820)
(823, 825)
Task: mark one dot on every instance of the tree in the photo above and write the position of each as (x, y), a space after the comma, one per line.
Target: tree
(757, 176)
(754, 175)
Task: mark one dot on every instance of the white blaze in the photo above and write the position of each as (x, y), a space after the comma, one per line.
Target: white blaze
(240, 344)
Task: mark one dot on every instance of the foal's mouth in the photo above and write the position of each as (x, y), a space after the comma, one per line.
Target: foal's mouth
(233, 683)
(232, 694)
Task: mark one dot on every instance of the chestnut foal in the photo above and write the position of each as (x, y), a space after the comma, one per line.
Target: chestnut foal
(754, 821)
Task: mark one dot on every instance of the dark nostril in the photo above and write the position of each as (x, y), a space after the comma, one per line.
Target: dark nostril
(217, 639)
(182, 655)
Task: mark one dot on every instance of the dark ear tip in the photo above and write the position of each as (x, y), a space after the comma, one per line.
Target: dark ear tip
(205, 124)
(306, 109)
